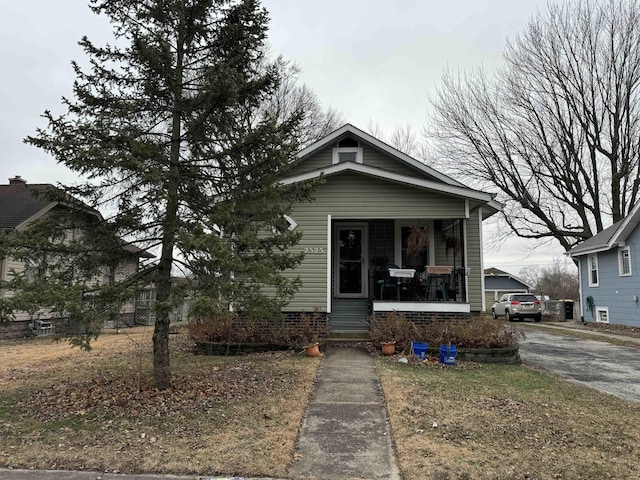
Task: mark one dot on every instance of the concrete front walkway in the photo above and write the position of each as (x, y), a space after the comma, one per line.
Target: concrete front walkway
(345, 433)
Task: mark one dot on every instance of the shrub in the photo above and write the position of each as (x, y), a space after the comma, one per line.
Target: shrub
(310, 329)
(231, 328)
(477, 332)
(395, 327)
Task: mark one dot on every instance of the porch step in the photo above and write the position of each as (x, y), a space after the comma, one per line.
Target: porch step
(349, 315)
(348, 337)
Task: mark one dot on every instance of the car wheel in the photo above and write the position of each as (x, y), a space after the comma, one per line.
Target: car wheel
(537, 318)
(507, 316)
(493, 314)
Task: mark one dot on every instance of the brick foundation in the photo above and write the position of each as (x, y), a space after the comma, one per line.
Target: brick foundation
(422, 318)
(291, 318)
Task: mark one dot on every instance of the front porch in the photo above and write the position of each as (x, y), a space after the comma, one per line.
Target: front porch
(414, 266)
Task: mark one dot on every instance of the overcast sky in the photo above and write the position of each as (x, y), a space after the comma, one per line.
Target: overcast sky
(376, 61)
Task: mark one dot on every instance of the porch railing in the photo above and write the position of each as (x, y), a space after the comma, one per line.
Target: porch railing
(433, 284)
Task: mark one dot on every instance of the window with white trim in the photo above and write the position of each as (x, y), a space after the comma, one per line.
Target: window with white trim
(593, 270)
(347, 150)
(624, 261)
(35, 268)
(602, 314)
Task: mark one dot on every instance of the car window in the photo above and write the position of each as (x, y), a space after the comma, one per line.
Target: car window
(524, 298)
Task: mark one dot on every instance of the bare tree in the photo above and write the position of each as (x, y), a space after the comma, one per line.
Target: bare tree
(556, 131)
(557, 281)
(403, 138)
(292, 97)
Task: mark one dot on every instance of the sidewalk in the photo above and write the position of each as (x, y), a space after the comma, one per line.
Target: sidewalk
(345, 433)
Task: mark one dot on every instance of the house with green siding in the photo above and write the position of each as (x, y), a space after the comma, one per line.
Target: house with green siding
(385, 232)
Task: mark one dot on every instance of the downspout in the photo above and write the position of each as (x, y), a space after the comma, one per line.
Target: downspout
(580, 292)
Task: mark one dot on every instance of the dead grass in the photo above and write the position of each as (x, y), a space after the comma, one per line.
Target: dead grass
(62, 408)
(507, 422)
(621, 335)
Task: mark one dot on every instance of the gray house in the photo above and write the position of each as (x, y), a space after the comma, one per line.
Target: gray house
(23, 204)
(498, 282)
(384, 233)
(608, 268)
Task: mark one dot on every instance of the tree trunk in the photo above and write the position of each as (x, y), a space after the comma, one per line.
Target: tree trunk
(161, 358)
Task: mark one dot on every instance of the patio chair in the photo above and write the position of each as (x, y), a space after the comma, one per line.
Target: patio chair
(387, 281)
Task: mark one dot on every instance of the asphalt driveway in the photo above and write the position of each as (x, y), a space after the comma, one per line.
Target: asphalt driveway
(597, 364)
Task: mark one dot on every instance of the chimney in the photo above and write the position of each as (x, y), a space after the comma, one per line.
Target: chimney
(17, 180)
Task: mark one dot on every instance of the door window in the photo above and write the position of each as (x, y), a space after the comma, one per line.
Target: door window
(351, 255)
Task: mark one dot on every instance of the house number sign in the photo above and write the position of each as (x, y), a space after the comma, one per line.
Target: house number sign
(314, 250)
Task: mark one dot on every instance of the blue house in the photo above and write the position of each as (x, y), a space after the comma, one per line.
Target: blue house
(609, 272)
(498, 282)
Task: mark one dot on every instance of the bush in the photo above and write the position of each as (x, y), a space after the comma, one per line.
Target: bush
(477, 332)
(394, 327)
(310, 329)
(227, 327)
(230, 328)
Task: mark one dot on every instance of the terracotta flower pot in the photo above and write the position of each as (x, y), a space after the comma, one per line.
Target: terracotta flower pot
(388, 348)
(312, 350)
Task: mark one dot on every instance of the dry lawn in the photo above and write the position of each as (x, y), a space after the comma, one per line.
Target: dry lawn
(62, 408)
(506, 422)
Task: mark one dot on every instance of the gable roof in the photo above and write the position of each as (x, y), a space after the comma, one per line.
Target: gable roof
(505, 284)
(611, 237)
(395, 177)
(20, 203)
(495, 271)
(428, 177)
(347, 128)
(496, 279)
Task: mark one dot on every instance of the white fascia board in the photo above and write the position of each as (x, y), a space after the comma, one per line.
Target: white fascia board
(50, 206)
(627, 226)
(391, 176)
(590, 251)
(497, 206)
(323, 142)
(35, 217)
(619, 237)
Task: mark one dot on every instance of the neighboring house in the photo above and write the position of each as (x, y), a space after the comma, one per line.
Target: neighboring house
(498, 282)
(608, 268)
(146, 302)
(20, 205)
(383, 233)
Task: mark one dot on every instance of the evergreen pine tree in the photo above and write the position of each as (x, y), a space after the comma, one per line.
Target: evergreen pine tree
(170, 128)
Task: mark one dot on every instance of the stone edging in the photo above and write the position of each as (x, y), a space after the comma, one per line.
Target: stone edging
(506, 355)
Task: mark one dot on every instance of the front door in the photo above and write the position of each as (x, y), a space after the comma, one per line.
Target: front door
(350, 261)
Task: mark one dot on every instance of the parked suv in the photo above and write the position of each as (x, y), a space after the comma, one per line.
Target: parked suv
(516, 306)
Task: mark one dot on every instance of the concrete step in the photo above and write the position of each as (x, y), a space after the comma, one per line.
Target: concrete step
(348, 336)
